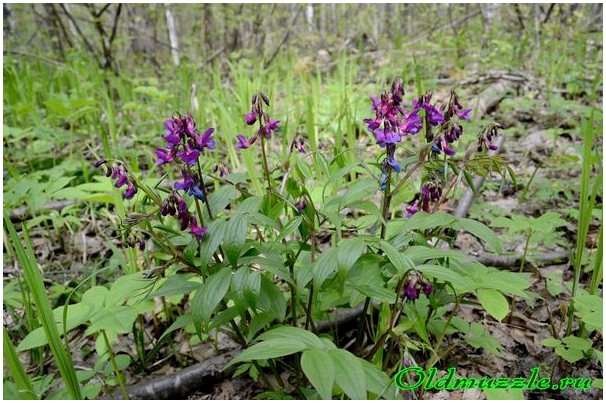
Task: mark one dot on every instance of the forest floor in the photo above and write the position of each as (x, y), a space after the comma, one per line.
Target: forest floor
(539, 137)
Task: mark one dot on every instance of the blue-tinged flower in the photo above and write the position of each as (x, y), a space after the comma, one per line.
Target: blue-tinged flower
(163, 156)
(243, 143)
(394, 164)
(190, 185)
(189, 155)
(205, 140)
(412, 125)
(386, 136)
(188, 181)
(383, 180)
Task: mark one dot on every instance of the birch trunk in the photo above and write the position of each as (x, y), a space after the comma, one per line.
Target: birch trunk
(172, 34)
(309, 16)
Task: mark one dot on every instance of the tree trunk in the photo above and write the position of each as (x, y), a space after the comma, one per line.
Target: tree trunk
(334, 19)
(309, 16)
(172, 35)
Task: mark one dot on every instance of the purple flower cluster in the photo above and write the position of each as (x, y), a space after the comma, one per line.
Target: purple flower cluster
(184, 141)
(449, 130)
(175, 206)
(414, 284)
(392, 122)
(118, 172)
(485, 138)
(267, 126)
(430, 193)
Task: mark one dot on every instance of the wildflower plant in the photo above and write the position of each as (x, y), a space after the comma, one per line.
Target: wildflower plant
(271, 266)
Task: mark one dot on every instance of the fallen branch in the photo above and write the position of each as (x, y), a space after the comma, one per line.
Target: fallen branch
(179, 385)
(514, 261)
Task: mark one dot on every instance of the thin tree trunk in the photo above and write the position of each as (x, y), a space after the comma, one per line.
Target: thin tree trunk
(172, 34)
(323, 20)
(334, 19)
(309, 16)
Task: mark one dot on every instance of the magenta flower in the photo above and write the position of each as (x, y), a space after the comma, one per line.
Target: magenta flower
(243, 143)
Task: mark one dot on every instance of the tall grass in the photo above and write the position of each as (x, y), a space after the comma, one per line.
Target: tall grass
(32, 275)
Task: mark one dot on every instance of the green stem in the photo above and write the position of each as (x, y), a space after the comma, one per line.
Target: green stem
(442, 335)
(117, 371)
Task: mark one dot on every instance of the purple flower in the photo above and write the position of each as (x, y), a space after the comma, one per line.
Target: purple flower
(173, 133)
(130, 191)
(163, 156)
(464, 114)
(196, 230)
(188, 181)
(299, 145)
(373, 124)
(120, 173)
(412, 210)
(191, 185)
(427, 287)
(411, 291)
(243, 143)
(251, 118)
(100, 162)
(190, 125)
(205, 140)
(386, 136)
(189, 155)
(301, 204)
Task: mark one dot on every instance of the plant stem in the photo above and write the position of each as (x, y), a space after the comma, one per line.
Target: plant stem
(203, 188)
(117, 371)
(442, 334)
(265, 165)
(309, 319)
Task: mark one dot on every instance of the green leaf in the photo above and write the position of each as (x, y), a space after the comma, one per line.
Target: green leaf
(269, 349)
(379, 293)
(294, 334)
(481, 231)
(579, 343)
(504, 394)
(378, 382)
(551, 342)
(569, 354)
(235, 235)
(271, 299)
(401, 262)
(118, 319)
(348, 252)
(325, 266)
(177, 284)
(494, 302)
(210, 242)
(349, 375)
(445, 274)
(77, 314)
(208, 297)
(317, 365)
